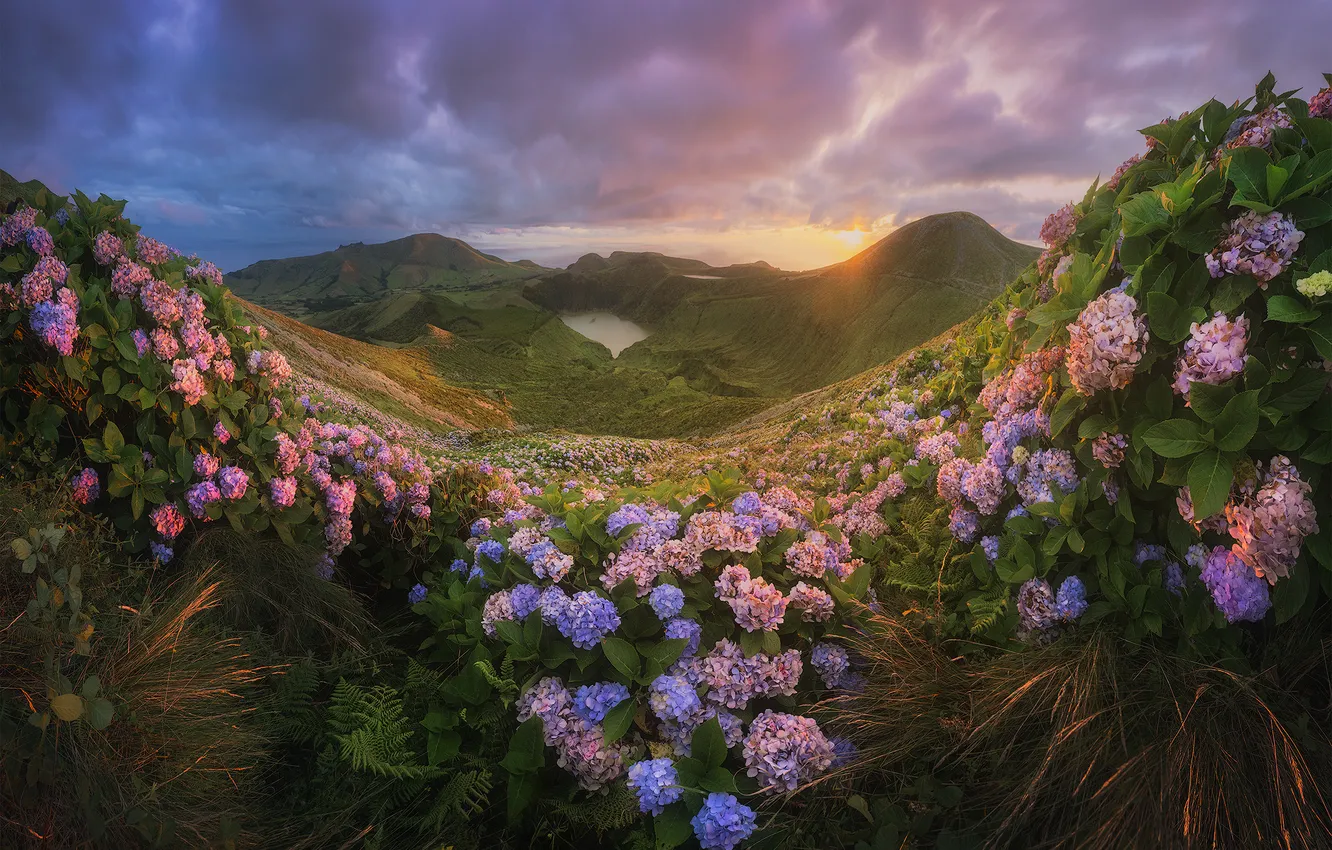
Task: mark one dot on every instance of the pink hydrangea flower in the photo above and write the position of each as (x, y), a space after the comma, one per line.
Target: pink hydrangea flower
(1214, 352)
(1106, 343)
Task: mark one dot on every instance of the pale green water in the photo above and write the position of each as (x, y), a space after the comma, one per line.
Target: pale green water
(606, 328)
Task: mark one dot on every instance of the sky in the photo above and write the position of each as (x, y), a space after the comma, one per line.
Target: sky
(792, 131)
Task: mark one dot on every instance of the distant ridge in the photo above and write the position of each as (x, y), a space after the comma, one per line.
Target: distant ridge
(753, 329)
(360, 273)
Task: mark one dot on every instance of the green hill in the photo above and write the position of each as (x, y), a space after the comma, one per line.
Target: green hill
(360, 273)
(11, 190)
(756, 330)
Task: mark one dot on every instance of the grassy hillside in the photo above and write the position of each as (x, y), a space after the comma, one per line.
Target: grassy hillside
(360, 273)
(757, 331)
(397, 381)
(548, 375)
(11, 190)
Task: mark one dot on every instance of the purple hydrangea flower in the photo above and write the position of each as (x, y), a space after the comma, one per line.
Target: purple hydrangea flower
(1257, 245)
(232, 482)
(1071, 600)
(525, 599)
(161, 552)
(666, 600)
(690, 630)
(1036, 605)
(1240, 594)
(592, 702)
(416, 594)
(723, 822)
(673, 698)
(656, 784)
(87, 486)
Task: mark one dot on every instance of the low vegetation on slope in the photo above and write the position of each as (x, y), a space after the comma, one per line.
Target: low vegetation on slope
(361, 274)
(1061, 580)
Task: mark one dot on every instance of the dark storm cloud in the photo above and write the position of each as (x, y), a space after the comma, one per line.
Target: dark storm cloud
(251, 128)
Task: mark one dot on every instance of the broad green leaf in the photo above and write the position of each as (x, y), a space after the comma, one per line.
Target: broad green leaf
(1284, 308)
(709, 744)
(1174, 438)
(68, 707)
(1210, 476)
(100, 713)
(672, 827)
(622, 656)
(1208, 400)
(527, 748)
(1238, 422)
(618, 720)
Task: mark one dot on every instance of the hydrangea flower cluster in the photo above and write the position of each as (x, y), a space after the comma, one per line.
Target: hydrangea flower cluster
(580, 746)
(1214, 352)
(592, 702)
(1257, 245)
(832, 663)
(723, 822)
(1241, 595)
(656, 784)
(1106, 343)
(758, 604)
(1270, 525)
(86, 486)
(782, 751)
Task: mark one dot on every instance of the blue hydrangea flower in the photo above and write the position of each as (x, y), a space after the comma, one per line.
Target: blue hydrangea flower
(1238, 593)
(690, 630)
(656, 784)
(844, 752)
(673, 698)
(1144, 552)
(666, 600)
(592, 702)
(417, 594)
(1071, 600)
(480, 528)
(626, 516)
(161, 552)
(525, 598)
(1174, 578)
(747, 504)
(990, 545)
(723, 822)
(492, 549)
(587, 618)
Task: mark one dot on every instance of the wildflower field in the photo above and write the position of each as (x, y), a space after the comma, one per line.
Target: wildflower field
(1058, 578)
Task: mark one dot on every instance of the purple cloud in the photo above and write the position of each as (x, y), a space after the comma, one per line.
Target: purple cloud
(260, 128)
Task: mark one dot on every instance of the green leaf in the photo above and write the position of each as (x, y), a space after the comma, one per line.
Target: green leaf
(618, 720)
(527, 748)
(709, 744)
(1320, 334)
(1302, 390)
(1238, 422)
(1210, 476)
(68, 707)
(521, 791)
(719, 780)
(1174, 438)
(1070, 403)
(112, 438)
(1291, 593)
(1208, 400)
(100, 713)
(672, 827)
(1143, 214)
(1231, 292)
(622, 656)
(1283, 308)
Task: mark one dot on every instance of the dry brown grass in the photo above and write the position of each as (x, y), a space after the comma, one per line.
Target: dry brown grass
(1094, 743)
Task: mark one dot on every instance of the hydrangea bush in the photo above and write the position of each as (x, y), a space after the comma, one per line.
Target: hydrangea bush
(134, 363)
(666, 643)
